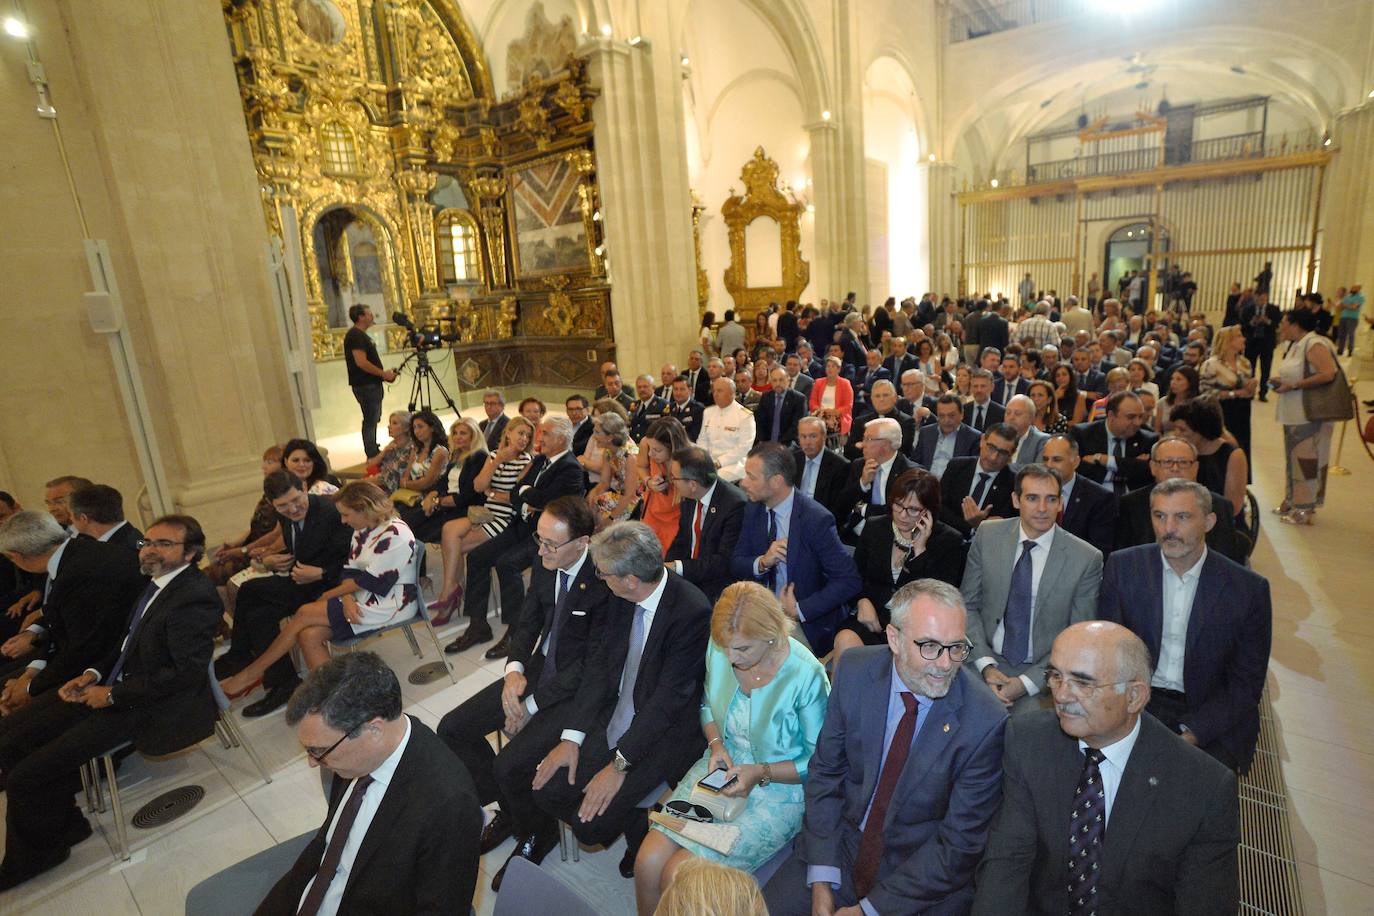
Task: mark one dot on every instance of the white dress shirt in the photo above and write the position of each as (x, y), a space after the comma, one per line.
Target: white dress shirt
(161, 583)
(1039, 556)
(381, 781)
(1177, 593)
(525, 509)
(727, 433)
(944, 451)
(571, 572)
(650, 605)
(105, 538)
(1114, 765)
(881, 478)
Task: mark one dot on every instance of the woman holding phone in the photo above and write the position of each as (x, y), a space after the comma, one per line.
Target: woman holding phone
(764, 704)
(913, 545)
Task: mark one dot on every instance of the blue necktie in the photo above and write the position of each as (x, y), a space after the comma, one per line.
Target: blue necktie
(134, 621)
(770, 576)
(1087, 830)
(981, 489)
(551, 634)
(1016, 623)
(777, 417)
(875, 493)
(625, 706)
(809, 476)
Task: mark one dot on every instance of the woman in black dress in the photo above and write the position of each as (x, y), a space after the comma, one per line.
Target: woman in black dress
(911, 543)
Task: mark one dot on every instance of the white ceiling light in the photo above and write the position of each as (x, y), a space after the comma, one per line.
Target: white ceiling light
(606, 30)
(15, 27)
(994, 182)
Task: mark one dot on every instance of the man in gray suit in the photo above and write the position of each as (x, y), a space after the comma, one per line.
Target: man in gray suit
(797, 379)
(1026, 580)
(1030, 442)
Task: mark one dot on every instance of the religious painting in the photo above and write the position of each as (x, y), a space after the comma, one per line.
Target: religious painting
(542, 51)
(550, 233)
(320, 20)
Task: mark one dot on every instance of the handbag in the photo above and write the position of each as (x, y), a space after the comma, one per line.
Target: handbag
(722, 807)
(1330, 402)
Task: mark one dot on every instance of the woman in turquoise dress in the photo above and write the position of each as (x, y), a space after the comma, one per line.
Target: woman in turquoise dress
(764, 704)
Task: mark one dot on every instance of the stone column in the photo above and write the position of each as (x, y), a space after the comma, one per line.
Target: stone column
(1347, 252)
(942, 226)
(646, 204)
(154, 132)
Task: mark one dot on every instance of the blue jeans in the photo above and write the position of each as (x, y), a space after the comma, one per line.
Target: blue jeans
(1345, 339)
(370, 400)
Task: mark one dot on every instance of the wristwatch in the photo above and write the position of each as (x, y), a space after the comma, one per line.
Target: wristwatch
(767, 776)
(619, 762)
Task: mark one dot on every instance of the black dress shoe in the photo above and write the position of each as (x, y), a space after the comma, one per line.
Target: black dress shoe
(78, 831)
(627, 863)
(496, 833)
(13, 877)
(502, 647)
(473, 635)
(1369, 403)
(534, 848)
(276, 698)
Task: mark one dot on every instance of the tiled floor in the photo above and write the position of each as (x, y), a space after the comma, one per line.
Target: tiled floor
(1322, 686)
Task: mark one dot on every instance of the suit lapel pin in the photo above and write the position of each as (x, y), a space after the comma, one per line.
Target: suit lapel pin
(1154, 780)
(582, 585)
(711, 511)
(946, 726)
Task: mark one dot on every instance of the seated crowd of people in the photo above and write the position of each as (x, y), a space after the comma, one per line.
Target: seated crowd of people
(906, 628)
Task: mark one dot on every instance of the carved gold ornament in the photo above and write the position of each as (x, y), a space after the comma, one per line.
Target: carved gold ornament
(763, 199)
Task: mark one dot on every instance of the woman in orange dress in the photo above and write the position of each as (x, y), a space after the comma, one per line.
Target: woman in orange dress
(658, 494)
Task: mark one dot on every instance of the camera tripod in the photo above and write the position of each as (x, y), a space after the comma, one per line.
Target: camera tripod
(425, 381)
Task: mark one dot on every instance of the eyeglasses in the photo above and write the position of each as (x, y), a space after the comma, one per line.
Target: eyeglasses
(160, 545)
(1079, 687)
(544, 546)
(600, 574)
(932, 649)
(1000, 452)
(1175, 464)
(318, 756)
(908, 508)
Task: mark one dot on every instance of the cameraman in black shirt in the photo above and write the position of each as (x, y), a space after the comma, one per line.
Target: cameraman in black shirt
(365, 374)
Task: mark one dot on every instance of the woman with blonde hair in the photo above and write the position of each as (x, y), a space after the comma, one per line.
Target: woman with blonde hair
(617, 491)
(1227, 377)
(765, 700)
(377, 586)
(705, 887)
(453, 497)
(498, 476)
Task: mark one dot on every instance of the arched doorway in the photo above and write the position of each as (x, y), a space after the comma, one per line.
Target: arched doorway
(1128, 255)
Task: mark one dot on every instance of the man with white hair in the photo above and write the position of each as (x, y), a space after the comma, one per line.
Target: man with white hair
(916, 401)
(1076, 318)
(1037, 330)
(1030, 441)
(727, 430)
(871, 475)
(853, 350)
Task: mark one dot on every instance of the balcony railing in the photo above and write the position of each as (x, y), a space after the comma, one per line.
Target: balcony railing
(1251, 145)
(1001, 17)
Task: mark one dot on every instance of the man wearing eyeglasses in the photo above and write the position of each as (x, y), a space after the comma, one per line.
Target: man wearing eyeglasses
(401, 832)
(564, 608)
(906, 774)
(1174, 457)
(708, 524)
(1207, 620)
(976, 489)
(1026, 579)
(90, 587)
(1103, 809)
(150, 687)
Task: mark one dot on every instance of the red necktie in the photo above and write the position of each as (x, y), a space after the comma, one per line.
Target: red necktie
(871, 845)
(696, 533)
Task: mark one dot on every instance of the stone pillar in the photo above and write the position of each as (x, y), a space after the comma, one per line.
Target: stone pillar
(1347, 253)
(942, 226)
(154, 132)
(646, 203)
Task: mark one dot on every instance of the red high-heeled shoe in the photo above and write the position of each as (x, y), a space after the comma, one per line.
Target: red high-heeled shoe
(447, 606)
(245, 691)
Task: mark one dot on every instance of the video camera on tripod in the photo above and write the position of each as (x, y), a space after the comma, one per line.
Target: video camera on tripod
(423, 338)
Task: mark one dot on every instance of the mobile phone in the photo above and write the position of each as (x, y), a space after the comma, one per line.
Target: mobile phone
(716, 781)
(1274, 383)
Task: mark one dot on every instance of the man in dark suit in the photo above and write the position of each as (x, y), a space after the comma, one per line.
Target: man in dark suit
(708, 527)
(151, 688)
(900, 360)
(868, 485)
(788, 329)
(973, 490)
(577, 409)
(698, 379)
(790, 544)
(982, 411)
(1259, 322)
(883, 406)
(946, 439)
(1087, 509)
(778, 412)
(797, 379)
(1086, 376)
(811, 366)
(554, 472)
(317, 545)
(1160, 819)
(615, 388)
(90, 588)
(1207, 621)
(402, 830)
(682, 407)
(1116, 450)
(915, 402)
(494, 403)
(905, 777)
(97, 512)
(564, 607)
(1010, 381)
(634, 723)
(993, 330)
(821, 472)
(1026, 579)
(1174, 457)
(869, 373)
(646, 408)
(853, 348)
